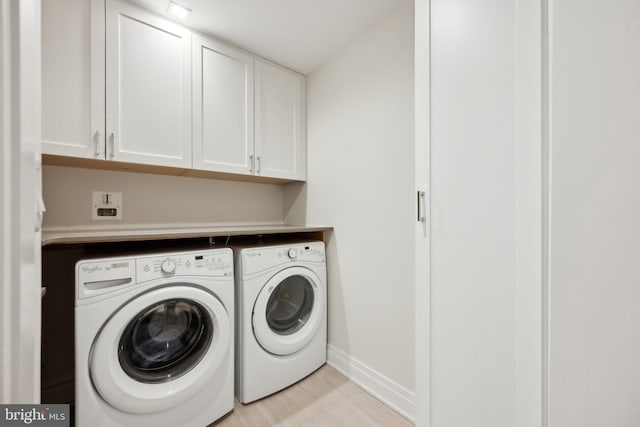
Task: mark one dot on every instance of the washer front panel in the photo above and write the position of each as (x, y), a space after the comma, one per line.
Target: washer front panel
(129, 392)
(165, 340)
(288, 311)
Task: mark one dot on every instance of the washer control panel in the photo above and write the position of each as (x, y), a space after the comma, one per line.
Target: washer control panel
(259, 259)
(217, 263)
(95, 277)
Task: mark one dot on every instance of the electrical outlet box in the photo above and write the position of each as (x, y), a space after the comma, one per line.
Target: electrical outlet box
(106, 205)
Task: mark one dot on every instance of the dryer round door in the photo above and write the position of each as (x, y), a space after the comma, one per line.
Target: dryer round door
(160, 348)
(288, 311)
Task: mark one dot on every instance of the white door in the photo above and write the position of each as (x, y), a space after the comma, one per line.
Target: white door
(222, 108)
(288, 311)
(73, 78)
(148, 74)
(280, 122)
(485, 132)
(160, 349)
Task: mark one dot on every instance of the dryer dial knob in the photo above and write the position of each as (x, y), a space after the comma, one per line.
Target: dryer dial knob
(292, 253)
(168, 266)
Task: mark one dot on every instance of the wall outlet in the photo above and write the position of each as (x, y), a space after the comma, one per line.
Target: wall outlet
(106, 205)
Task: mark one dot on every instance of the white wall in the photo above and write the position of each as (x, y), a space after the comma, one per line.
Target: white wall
(157, 199)
(361, 181)
(486, 213)
(594, 282)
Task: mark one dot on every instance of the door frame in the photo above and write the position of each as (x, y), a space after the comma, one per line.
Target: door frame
(20, 191)
(422, 236)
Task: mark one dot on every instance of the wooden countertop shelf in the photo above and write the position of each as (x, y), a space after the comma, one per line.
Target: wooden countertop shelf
(77, 236)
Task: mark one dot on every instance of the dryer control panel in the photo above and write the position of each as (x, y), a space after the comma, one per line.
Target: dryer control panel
(259, 259)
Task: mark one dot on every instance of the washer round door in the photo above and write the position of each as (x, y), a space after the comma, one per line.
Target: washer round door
(288, 311)
(160, 348)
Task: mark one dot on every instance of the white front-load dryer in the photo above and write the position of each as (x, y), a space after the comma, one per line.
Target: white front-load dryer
(281, 316)
(154, 339)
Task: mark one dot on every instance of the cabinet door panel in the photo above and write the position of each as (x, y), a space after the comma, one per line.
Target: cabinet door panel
(73, 78)
(223, 108)
(148, 88)
(280, 122)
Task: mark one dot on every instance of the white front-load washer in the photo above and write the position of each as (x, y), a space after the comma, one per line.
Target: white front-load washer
(154, 339)
(281, 316)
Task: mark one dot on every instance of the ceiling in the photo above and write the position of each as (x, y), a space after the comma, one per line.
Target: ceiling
(299, 34)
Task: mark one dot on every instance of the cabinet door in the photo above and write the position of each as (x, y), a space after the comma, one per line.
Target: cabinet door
(73, 78)
(148, 72)
(280, 131)
(223, 108)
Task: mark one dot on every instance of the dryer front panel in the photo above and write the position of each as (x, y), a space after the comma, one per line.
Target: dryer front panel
(289, 310)
(160, 348)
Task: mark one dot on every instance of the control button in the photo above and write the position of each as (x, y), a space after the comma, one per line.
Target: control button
(187, 264)
(168, 266)
(146, 268)
(292, 253)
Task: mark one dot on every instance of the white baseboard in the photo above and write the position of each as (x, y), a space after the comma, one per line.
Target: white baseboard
(382, 388)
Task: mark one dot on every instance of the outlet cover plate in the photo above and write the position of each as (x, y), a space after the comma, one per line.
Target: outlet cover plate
(106, 205)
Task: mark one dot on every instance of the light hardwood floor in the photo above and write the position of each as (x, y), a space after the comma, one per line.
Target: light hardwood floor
(323, 399)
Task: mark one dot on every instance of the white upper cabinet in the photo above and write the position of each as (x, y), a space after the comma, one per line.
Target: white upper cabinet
(148, 92)
(222, 107)
(239, 130)
(123, 84)
(280, 118)
(73, 78)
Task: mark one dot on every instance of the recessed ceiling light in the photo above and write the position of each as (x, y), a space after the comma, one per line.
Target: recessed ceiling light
(178, 11)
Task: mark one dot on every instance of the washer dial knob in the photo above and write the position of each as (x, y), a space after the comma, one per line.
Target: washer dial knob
(168, 266)
(292, 253)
